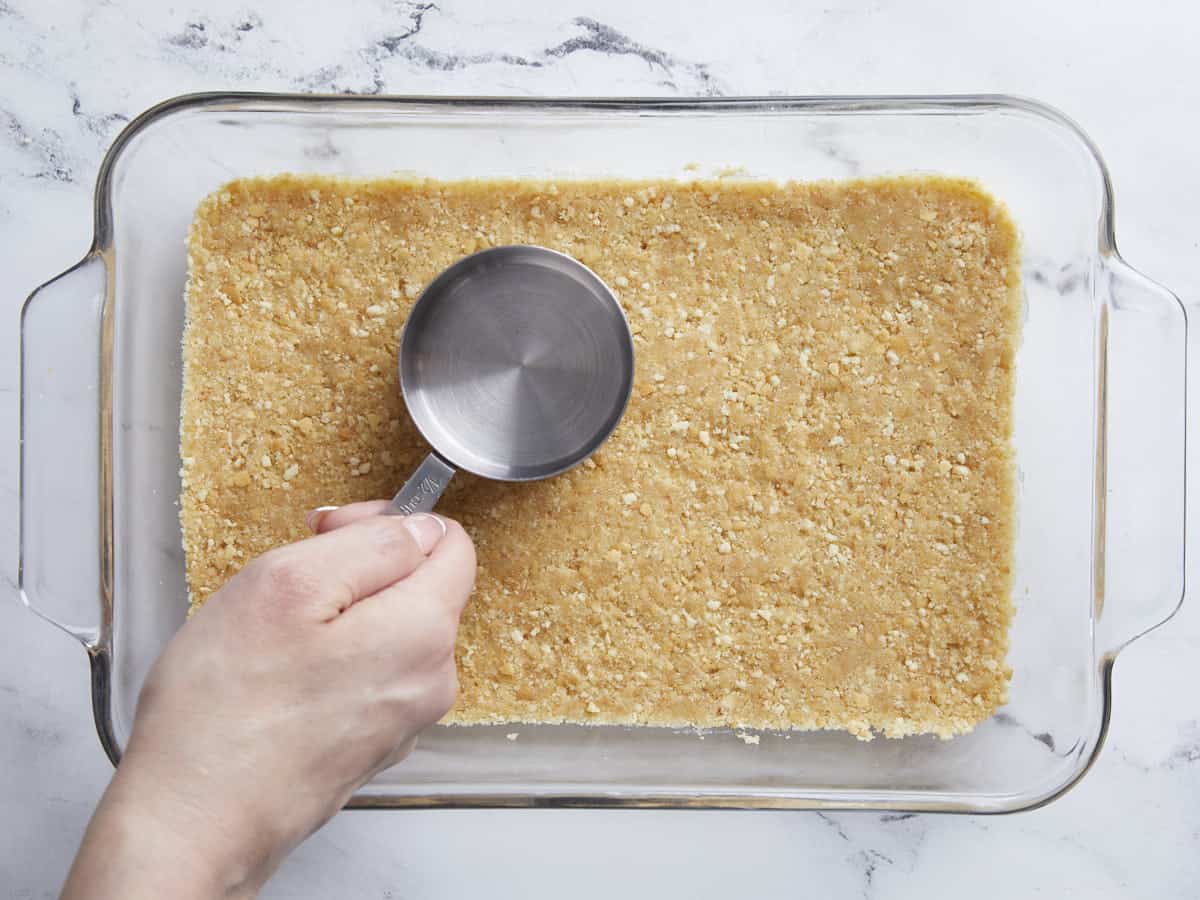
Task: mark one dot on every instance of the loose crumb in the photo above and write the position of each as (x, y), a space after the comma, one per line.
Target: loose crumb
(805, 519)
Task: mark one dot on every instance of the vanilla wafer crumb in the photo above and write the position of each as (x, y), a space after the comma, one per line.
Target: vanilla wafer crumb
(805, 519)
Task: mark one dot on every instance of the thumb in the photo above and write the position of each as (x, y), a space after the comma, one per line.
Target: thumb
(443, 580)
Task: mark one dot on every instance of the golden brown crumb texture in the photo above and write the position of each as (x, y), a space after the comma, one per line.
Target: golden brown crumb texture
(805, 519)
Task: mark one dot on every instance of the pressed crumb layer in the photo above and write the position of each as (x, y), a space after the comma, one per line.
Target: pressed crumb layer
(805, 519)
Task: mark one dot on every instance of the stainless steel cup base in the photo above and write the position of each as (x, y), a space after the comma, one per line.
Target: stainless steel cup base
(516, 363)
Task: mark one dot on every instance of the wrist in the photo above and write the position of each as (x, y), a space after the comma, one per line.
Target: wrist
(149, 840)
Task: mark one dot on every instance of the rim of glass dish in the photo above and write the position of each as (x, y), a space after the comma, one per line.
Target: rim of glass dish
(100, 653)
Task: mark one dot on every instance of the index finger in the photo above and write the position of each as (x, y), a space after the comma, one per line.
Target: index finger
(330, 572)
(331, 518)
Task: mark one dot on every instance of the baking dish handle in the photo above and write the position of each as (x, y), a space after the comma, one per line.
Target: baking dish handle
(1145, 349)
(62, 557)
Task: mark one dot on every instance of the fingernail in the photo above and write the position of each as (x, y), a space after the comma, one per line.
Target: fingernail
(313, 517)
(428, 530)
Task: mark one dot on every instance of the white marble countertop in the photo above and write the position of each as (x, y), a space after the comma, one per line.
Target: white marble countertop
(74, 71)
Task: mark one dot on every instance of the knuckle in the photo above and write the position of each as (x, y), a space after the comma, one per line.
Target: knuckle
(401, 751)
(442, 650)
(443, 691)
(460, 535)
(442, 630)
(448, 633)
(284, 576)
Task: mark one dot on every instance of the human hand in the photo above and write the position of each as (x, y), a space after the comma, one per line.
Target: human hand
(311, 670)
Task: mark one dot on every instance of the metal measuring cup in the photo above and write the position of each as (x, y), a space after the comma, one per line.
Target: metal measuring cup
(516, 363)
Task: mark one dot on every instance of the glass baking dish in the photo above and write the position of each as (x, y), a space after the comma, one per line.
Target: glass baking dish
(1099, 425)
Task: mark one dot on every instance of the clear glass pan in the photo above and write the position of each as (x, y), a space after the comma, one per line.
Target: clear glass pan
(1099, 425)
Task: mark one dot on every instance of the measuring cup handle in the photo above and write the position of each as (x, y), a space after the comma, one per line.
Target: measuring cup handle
(421, 492)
